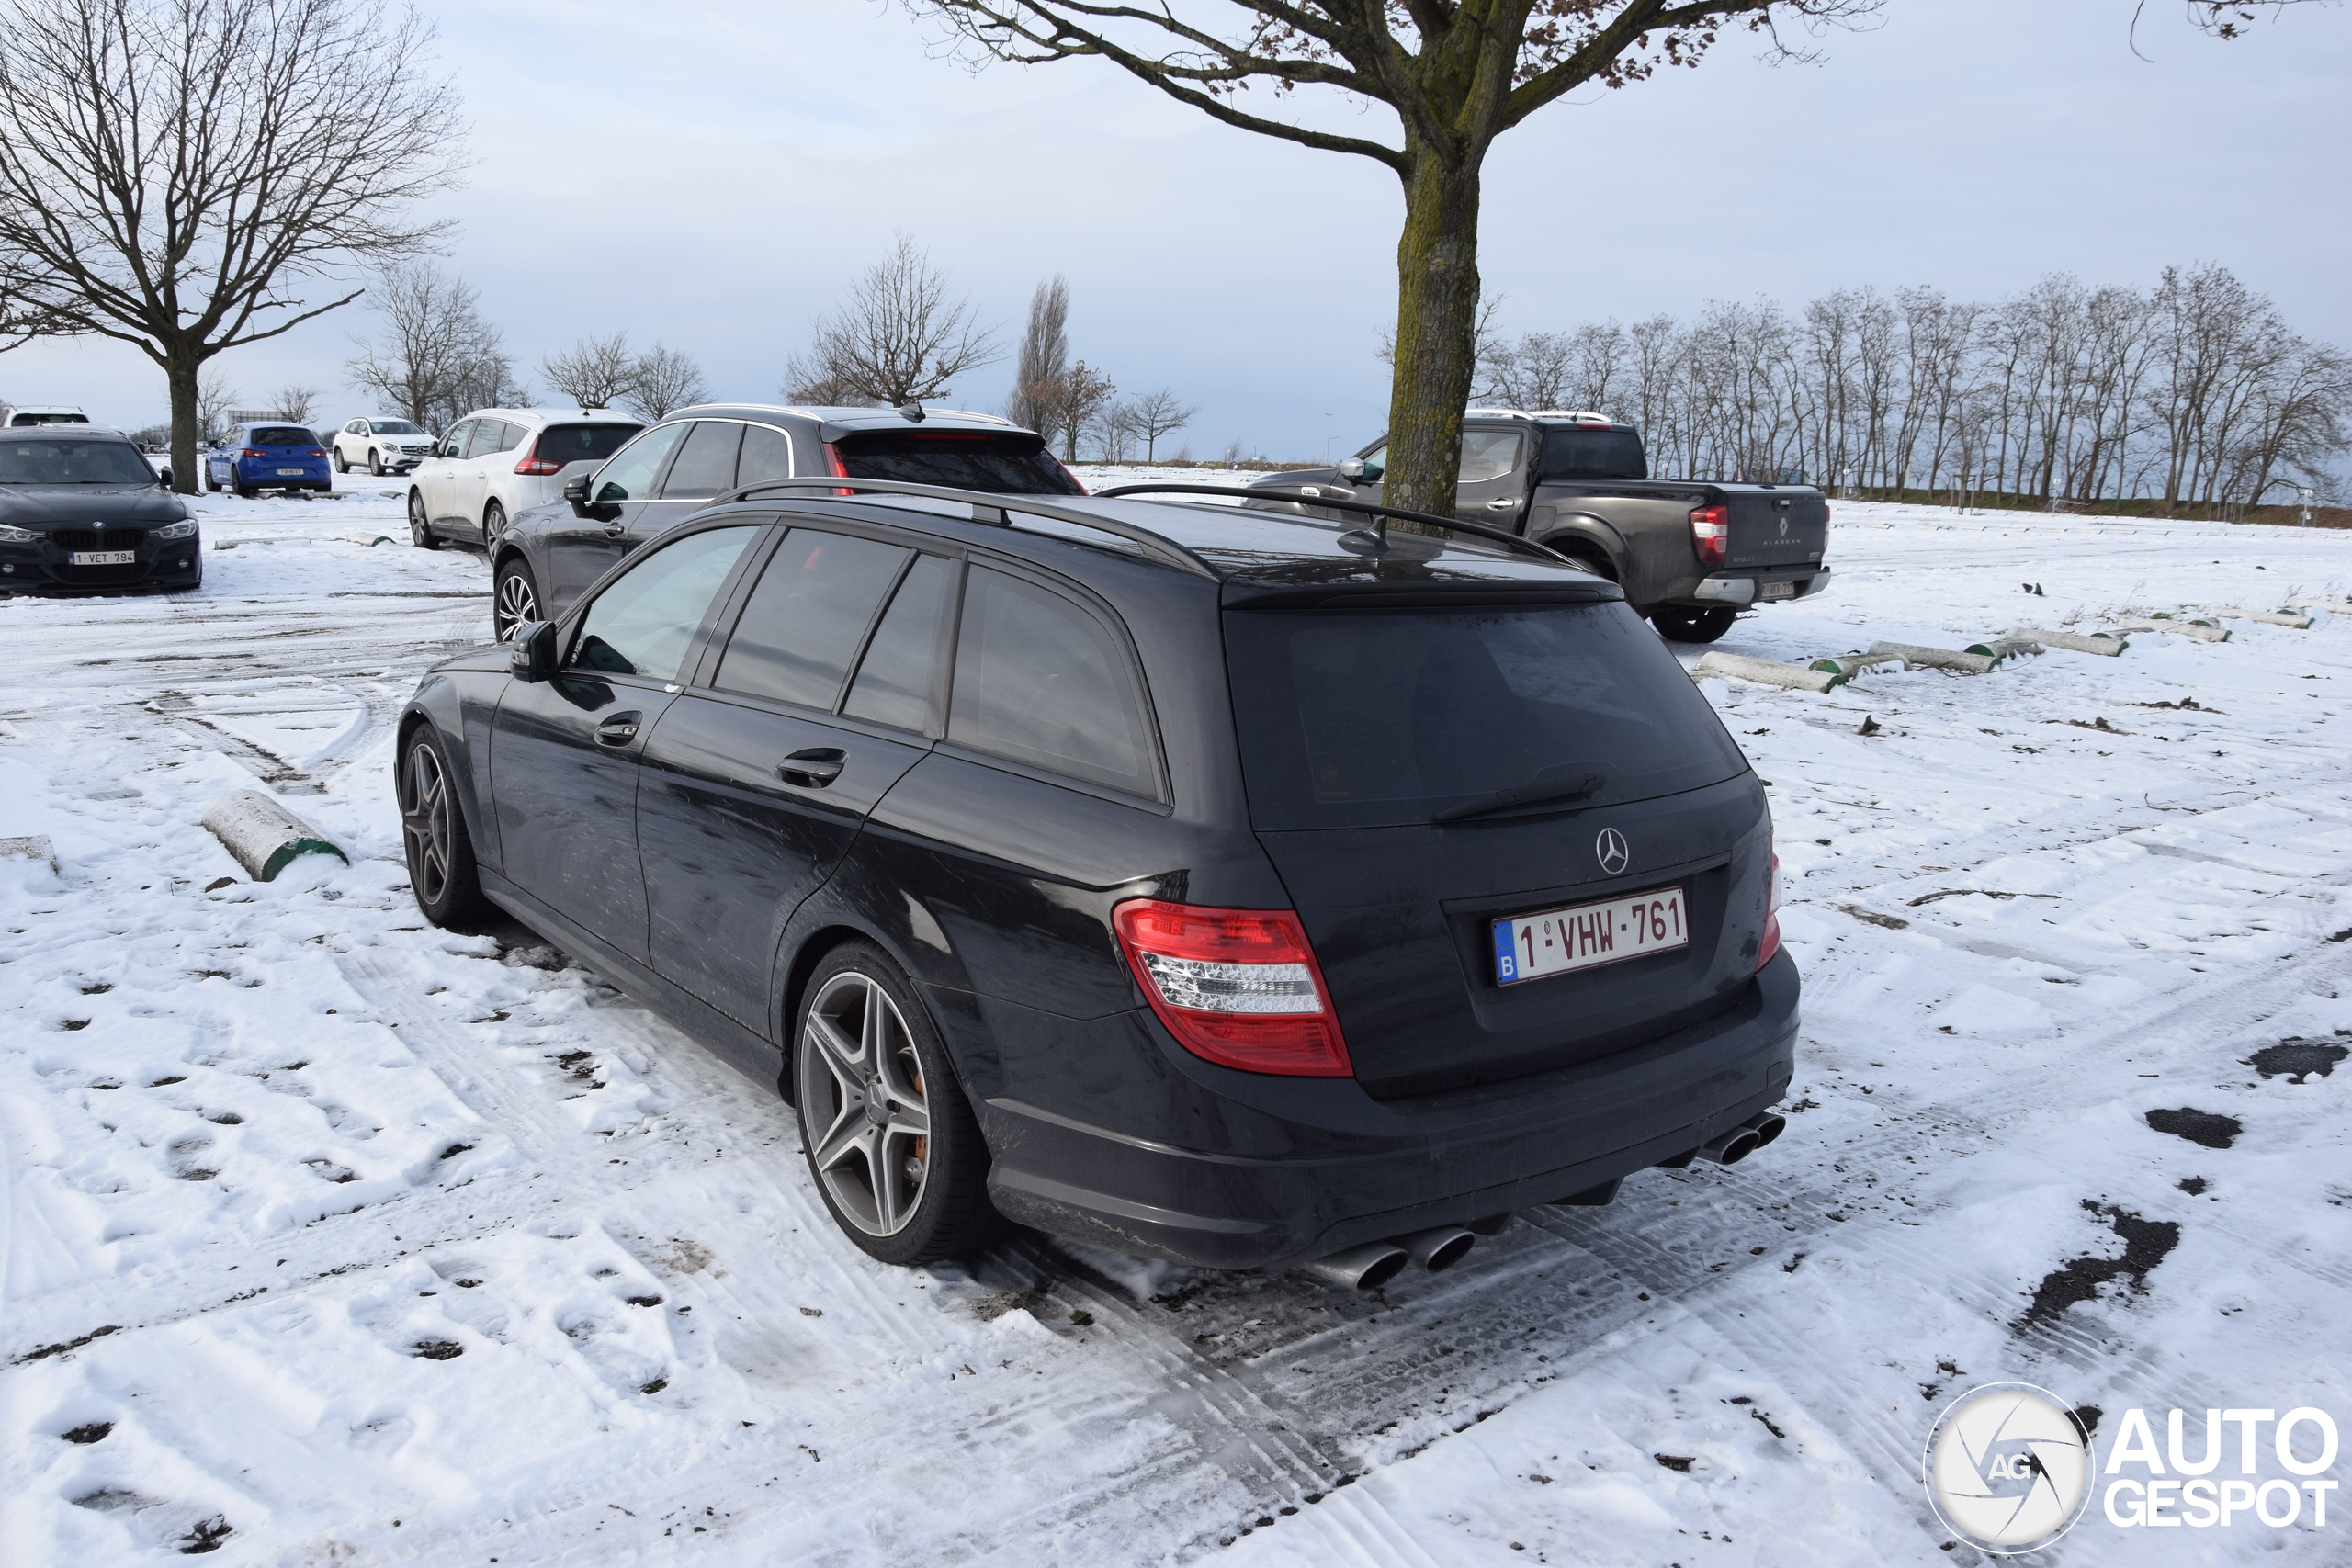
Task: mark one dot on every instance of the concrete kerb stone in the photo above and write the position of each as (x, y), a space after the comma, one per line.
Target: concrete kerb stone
(1939, 658)
(263, 836)
(2099, 643)
(1767, 673)
(32, 846)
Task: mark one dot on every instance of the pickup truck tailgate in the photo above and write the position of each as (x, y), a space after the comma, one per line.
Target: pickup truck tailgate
(1776, 527)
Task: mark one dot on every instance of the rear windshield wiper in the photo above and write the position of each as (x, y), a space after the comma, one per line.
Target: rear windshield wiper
(1574, 786)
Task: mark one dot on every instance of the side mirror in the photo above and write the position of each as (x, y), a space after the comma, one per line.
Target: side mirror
(532, 657)
(1351, 469)
(575, 491)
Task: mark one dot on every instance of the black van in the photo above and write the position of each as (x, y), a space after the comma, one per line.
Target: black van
(1220, 885)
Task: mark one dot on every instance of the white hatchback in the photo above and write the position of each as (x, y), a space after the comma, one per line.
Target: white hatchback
(495, 462)
(380, 445)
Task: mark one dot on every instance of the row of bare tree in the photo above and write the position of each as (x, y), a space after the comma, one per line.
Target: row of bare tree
(902, 336)
(2195, 392)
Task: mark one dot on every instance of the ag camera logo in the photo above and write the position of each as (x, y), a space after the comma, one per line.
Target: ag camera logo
(2008, 1468)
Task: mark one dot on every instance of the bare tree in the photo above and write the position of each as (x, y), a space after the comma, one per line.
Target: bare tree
(486, 380)
(826, 392)
(1156, 415)
(434, 344)
(595, 372)
(1457, 75)
(1077, 399)
(665, 378)
(1043, 357)
(214, 399)
(170, 170)
(296, 404)
(899, 338)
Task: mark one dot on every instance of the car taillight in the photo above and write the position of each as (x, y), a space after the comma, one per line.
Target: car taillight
(316, 452)
(1710, 528)
(533, 463)
(253, 452)
(1771, 942)
(838, 468)
(1238, 987)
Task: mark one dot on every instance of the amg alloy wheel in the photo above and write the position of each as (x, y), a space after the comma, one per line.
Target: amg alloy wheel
(888, 1134)
(516, 600)
(420, 532)
(440, 852)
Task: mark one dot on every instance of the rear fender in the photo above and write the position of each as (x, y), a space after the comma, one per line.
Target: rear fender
(1593, 538)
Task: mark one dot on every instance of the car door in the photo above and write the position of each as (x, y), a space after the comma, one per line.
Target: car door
(1491, 484)
(432, 475)
(756, 781)
(565, 752)
(466, 482)
(585, 545)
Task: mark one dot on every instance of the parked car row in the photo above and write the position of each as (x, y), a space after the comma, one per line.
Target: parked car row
(1236, 886)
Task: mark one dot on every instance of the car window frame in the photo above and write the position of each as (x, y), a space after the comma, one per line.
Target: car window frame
(575, 620)
(464, 427)
(791, 450)
(694, 427)
(1162, 803)
(660, 473)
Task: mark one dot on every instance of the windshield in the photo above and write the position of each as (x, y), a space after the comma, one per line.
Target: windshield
(115, 462)
(1365, 719)
(282, 435)
(1015, 463)
(393, 427)
(1593, 455)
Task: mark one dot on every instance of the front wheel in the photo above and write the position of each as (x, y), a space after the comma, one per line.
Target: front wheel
(375, 464)
(892, 1143)
(340, 465)
(1684, 622)
(440, 852)
(420, 532)
(516, 600)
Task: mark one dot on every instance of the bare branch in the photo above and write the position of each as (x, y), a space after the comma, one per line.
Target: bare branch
(898, 338)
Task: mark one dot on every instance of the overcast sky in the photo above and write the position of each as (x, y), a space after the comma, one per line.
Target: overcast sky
(710, 172)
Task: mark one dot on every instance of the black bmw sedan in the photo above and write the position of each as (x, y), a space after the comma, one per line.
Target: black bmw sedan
(1213, 884)
(81, 508)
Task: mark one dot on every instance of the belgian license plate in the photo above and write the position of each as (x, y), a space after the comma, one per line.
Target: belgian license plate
(289, 473)
(105, 557)
(1778, 591)
(1585, 936)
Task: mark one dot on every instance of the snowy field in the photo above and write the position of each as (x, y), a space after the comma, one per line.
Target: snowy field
(331, 1238)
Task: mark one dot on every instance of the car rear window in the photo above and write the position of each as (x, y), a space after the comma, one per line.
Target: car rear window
(1014, 463)
(1593, 455)
(582, 443)
(1372, 718)
(283, 436)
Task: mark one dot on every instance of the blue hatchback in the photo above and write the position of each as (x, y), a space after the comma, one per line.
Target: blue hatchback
(254, 457)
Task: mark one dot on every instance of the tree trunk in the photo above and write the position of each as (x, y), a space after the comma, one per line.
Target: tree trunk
(1437, 330)
(179, 375)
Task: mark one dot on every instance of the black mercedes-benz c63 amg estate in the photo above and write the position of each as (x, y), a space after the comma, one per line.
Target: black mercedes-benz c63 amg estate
(1211, 885)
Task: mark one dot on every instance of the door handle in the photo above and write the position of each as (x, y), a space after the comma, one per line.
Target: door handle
(1504, 503)
(620, 730)
(615, 530)
(814, 767)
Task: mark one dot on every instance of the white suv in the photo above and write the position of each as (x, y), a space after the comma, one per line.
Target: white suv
(495, 462)
(380, 445)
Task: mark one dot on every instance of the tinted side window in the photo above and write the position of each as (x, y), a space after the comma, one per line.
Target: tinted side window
(490, 435)
(706, 463)
(643, 623)
(1042, 681)
(802, 624)
(768, 455)
(630, 475)
(1488, 454)
(898, 677)
(455, 445)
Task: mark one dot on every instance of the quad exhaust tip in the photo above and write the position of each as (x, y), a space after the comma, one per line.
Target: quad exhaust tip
(1730, 1148)
(1437, 1248)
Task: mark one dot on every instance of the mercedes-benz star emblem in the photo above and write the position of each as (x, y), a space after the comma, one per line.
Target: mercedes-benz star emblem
(1610, 849)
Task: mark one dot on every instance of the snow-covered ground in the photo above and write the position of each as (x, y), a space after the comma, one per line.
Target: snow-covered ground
(330, 1238)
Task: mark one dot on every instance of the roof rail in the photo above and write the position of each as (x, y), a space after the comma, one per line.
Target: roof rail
(1168, 552)
(1381, 515)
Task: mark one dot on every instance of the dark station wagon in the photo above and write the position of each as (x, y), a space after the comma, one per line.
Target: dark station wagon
(1218, 886)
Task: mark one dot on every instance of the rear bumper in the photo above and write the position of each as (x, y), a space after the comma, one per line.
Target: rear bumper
(1746, 588)
(1326, 1166)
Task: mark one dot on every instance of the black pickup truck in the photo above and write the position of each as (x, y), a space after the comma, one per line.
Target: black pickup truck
(1690, 554)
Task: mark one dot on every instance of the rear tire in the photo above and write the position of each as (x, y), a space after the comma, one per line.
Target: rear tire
(1684, 622)
(907, 1180)
(493, 524)
(515, 598)
(420, 532)
(439, 850)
